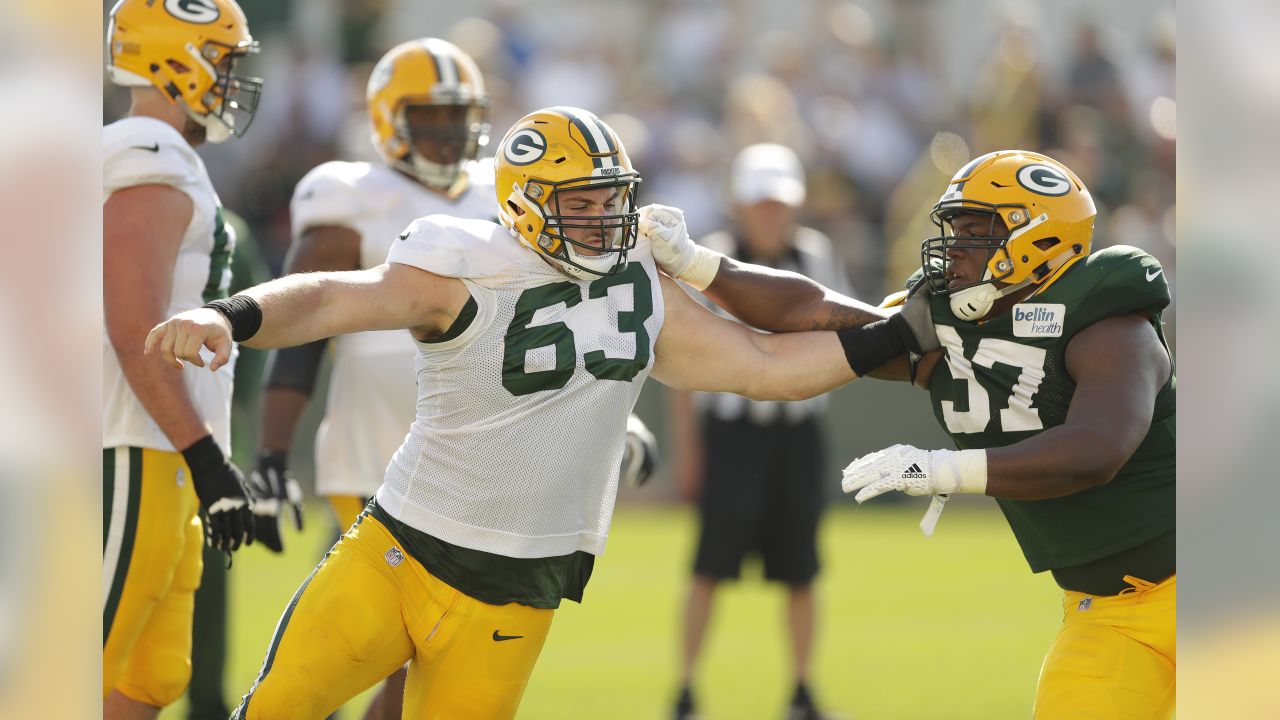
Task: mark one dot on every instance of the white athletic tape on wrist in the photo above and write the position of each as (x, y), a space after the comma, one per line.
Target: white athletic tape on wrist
(702, 270)
(959, 470)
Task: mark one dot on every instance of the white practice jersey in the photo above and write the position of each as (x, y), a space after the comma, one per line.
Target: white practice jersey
(371, 391)
(522, 418)
(146, 151)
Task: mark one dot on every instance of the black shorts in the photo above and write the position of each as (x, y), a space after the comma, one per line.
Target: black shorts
(763, 493)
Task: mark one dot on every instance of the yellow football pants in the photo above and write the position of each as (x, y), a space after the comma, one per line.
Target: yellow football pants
(367, 609)
(151, 545)
(1115, 656)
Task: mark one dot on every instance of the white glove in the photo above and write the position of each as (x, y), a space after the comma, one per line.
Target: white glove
(916, 472)
(678, 256)
(640, 455)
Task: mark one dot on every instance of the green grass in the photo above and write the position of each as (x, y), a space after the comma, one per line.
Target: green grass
(950, 627)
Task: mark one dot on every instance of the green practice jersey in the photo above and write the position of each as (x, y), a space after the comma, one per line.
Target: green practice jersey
(1006, 379)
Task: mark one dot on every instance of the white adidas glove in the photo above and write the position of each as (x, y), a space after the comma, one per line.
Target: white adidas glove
(916, 472)
(675, 253)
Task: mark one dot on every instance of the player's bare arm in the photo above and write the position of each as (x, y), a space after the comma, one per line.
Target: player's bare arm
(302, 308)
(142, 230)
(698, 350)
(769, 299)
(782, 301)
(1119, 366)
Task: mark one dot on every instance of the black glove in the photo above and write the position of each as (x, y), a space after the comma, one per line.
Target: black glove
(915, 325)
(640, 455)
(272, 485)
(917, 318)
(225, 508)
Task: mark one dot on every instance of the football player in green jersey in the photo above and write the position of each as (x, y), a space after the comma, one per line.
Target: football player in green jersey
(1056, 385)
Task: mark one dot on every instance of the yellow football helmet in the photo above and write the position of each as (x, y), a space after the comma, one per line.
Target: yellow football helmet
(428, 72)
(1048, 212)
(187, 49)
(555, 150)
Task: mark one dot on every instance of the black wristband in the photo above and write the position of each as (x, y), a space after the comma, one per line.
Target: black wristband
(869, 346)
(204, 454)
(244, 314)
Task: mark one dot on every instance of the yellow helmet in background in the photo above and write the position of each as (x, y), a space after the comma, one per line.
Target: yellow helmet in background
(553, 150)
(428, 72)
(1049, 214)
(187, 49)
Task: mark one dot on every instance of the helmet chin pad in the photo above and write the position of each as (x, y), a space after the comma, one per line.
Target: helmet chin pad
(973, 303)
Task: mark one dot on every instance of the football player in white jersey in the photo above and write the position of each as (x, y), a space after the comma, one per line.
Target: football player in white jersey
(533, 339)
(428, 112)
(166, 249)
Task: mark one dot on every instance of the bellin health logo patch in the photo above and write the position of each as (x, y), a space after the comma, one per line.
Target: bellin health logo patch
(1039, 319)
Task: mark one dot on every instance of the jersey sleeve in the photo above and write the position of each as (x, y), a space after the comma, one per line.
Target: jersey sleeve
(328, 195)
(1126, 280)
(148, 153)
(437, 245)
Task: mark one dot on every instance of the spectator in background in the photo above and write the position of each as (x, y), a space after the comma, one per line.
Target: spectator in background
(757, 466)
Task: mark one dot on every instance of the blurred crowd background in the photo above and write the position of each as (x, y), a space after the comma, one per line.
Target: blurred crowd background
(883, 101)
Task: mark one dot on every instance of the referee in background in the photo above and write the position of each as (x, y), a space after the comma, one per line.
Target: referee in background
(756, 468)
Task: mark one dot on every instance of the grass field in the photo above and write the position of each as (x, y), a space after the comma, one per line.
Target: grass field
(950, 627)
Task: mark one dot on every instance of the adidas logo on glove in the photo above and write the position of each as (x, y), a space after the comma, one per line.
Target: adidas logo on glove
(913, 472)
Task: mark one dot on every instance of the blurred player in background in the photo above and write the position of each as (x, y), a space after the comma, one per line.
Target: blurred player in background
(534, 339)
(1057, 386)
(757, 468)
(166, 248)
(428, 111)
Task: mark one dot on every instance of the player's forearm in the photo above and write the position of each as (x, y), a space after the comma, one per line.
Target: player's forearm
(781, 301)
(306, 307)
(160, 388)
(798, 366)
(281, 409)
(1060, 461)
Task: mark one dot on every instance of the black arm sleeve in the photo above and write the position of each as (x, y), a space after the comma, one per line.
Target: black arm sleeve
(869, 346)
(295, 367)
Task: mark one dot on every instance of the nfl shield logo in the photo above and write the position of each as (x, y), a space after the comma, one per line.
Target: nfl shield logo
(394, 557)
(1084, 604)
